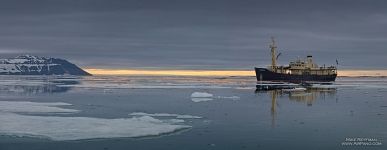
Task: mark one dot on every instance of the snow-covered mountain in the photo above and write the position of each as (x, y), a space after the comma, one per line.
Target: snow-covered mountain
(33, 65)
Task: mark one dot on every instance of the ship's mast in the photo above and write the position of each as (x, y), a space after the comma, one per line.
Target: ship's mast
(273, 49)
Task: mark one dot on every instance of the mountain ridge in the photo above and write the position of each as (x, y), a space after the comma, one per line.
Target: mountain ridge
(34, 65)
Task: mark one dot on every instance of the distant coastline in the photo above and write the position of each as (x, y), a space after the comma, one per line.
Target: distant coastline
(161, 72)
(35, 65)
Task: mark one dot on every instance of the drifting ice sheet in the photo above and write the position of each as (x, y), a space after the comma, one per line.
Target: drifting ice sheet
(201, 99)
(165, 115)
(201, 95)
(32, 107)
(229, 97)
(76, 128)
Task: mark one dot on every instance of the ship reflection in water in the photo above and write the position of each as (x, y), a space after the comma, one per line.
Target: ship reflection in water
(30, 85)
(308, 97)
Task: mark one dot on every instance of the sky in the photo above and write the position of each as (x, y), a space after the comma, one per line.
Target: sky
(193, 34)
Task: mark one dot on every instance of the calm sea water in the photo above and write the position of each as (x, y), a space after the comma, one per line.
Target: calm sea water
(112, 112)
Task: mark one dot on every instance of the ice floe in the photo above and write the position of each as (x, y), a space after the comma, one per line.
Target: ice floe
(203, 96)
(165, 115)
(77, 128)
(229, 97)
(34, 107)
(201, 99)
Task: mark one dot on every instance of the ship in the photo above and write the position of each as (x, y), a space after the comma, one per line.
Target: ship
(299, 71)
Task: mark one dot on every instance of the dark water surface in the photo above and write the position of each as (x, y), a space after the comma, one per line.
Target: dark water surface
(235, 117)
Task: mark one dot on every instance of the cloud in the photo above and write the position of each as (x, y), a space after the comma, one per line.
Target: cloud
(192, 34)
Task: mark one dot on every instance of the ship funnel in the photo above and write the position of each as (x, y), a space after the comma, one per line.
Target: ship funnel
(310, 61)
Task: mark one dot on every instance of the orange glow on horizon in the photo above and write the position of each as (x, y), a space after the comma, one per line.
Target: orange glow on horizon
(171, 72)
(214, 72)
(352, 73)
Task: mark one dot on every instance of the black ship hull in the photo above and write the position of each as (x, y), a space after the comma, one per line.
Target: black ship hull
(264, 74)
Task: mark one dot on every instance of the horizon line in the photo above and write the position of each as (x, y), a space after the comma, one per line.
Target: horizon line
(193, 72)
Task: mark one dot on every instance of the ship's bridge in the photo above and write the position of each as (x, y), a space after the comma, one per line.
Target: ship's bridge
(303, 64)
(305, 67)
